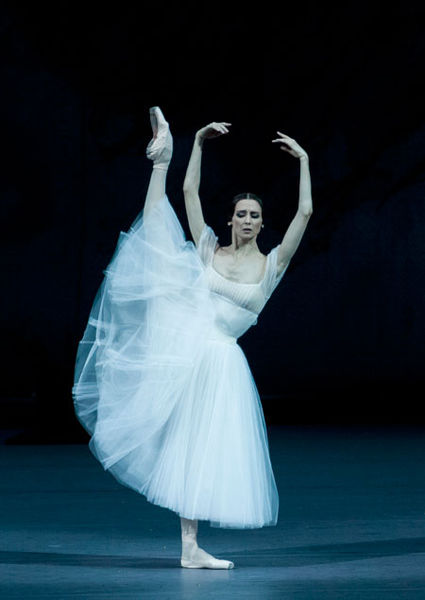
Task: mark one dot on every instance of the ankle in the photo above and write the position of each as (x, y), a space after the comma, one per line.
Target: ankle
(189, 541)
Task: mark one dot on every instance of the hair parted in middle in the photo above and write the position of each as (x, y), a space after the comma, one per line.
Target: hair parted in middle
(247, 196)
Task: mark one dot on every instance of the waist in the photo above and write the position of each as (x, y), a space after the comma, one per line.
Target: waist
(215, 335)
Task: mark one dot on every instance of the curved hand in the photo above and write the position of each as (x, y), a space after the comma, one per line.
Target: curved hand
(193, 177)
(290, 145)
(295, 231)
(213, 130)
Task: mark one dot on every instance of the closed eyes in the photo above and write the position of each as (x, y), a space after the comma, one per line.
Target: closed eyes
(254, 215)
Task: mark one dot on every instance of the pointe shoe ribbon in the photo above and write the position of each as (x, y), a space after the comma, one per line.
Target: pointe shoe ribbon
(160, 148)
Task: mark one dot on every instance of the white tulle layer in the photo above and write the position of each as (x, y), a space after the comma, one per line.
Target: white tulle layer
(169, 399)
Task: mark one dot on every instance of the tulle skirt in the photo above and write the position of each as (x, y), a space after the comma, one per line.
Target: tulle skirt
(170, 403)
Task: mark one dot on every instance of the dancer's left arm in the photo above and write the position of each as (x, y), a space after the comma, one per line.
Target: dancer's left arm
(295, 231)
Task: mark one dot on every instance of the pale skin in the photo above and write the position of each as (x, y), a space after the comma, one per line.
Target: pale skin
(242, 260)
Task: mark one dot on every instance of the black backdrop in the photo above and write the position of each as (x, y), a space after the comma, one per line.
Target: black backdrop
(341, 340)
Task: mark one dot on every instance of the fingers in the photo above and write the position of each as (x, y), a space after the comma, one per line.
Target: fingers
(221, 127)
(283, 138)
(286, 143)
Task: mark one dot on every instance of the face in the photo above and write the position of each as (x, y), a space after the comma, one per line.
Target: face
(247, 219)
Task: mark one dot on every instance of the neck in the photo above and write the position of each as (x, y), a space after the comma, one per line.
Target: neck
(243, 247)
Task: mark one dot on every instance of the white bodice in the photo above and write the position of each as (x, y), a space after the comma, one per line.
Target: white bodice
(247, 295)
(237, 305)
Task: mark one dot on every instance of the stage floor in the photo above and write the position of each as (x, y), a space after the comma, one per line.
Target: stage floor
(351, 525)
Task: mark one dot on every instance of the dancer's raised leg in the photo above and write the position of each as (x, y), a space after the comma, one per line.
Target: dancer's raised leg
(194, 557)
(160, 151)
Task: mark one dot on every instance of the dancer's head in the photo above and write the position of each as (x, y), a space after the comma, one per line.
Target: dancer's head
(247, 215)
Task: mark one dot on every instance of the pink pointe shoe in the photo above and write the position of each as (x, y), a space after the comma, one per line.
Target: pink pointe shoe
(160, 148)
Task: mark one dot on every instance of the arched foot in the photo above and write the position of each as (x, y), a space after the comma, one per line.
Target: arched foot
(160, 148)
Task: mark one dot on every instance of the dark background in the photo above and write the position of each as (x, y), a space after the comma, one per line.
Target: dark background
(341, 340)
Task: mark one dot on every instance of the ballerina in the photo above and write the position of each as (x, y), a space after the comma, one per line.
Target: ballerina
(160, 381)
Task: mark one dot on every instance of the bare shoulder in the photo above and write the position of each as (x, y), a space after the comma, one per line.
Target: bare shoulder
(223, 250)
(262, 259)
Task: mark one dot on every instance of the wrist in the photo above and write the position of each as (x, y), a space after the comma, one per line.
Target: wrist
(199, 140)
(304, 157)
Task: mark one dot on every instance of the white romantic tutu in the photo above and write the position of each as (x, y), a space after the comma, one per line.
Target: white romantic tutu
(162, 386)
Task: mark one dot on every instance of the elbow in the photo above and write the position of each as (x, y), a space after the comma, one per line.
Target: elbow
(306, 212)
(188, 186)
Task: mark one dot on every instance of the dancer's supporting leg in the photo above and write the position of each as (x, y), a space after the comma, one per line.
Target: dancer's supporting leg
(160, 150)
(193, 557)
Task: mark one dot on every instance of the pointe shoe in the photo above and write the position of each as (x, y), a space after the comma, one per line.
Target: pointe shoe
(197, 558)
(216, 564)
(160, 148)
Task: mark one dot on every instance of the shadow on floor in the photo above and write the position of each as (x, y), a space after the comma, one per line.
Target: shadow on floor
(297, 556)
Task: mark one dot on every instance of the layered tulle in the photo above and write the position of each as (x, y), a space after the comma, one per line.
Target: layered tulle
(163, 388)
(214, 463)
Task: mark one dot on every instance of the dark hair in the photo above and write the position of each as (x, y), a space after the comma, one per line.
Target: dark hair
(247, 196)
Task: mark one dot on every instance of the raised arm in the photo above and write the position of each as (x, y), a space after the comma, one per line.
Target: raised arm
(193, 178)
(295, 231)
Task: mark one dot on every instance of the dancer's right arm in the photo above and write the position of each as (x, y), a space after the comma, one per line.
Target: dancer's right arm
(193, 178)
